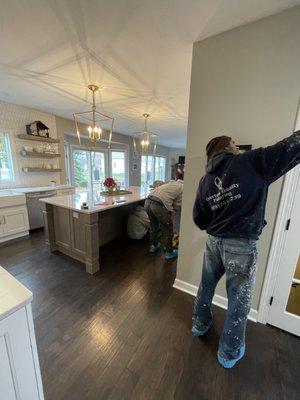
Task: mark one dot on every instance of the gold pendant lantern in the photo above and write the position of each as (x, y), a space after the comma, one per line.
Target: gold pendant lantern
(94, 119)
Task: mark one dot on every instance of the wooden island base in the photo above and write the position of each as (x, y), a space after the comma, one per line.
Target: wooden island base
(80, 235)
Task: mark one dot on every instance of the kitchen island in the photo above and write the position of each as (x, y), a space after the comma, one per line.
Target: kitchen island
(79, 233)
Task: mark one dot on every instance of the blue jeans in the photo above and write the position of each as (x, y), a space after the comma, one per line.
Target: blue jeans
(237, 258)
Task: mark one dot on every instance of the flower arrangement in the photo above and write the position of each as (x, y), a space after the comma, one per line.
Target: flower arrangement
(109, 183)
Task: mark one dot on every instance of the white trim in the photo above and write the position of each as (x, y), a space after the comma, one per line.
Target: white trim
(284, 212)
(15, 236)
(218, 300)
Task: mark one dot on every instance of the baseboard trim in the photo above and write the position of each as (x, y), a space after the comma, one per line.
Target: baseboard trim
(10, 238)
(218, 300)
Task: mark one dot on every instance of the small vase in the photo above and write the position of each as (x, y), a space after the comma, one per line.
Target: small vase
(110, 190)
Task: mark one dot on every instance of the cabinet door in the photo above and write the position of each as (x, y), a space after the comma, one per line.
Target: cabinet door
(18, 378)
(16, 220)
(2, 230)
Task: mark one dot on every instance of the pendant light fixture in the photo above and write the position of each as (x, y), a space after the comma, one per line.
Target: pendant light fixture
(95, 121)
(145, 142)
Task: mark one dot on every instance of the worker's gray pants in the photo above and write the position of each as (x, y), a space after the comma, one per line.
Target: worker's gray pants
(160, 218)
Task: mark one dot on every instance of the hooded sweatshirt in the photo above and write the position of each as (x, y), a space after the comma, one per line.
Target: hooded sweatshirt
(169, 194)
(232, 195)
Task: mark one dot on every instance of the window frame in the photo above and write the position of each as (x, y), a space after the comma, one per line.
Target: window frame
(165, 159)
(126, 167)
(155, 156)
(107, 161)
(7, 142)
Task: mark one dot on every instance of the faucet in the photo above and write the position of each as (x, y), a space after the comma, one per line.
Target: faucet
(53, 183)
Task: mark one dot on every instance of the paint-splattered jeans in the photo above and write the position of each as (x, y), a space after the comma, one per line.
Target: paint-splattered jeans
(237, 258)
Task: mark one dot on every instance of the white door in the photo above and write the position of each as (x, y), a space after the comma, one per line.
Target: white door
(285, 310)
(88, 169)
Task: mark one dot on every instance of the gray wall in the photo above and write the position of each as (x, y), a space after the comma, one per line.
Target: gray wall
(65, 126)
(245, 84)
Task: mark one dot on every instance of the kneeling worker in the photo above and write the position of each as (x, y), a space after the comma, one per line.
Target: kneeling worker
(161, 205)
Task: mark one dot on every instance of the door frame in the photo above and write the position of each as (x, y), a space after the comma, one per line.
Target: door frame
(277, 245)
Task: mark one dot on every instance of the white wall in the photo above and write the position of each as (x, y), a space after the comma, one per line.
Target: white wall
(13, 120)
(245, 84)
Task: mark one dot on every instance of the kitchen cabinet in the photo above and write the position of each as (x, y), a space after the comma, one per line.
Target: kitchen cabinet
(20, 376)
(13, 222)
(1, 225)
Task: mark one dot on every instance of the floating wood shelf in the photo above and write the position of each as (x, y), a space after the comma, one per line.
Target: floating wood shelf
(25, 153)
(32, 169)
(24, 136)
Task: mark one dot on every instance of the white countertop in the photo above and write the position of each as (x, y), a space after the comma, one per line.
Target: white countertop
(9, 198)
(10, 192)
(74, 201)
(40, 188)
(13, 295)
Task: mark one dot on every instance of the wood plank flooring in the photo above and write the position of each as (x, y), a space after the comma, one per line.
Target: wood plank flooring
(125, 332)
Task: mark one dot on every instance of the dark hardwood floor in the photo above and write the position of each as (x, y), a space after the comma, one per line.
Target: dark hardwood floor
(125, 332)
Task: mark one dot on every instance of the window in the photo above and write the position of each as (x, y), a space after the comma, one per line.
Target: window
(6, 165)
(152, 169)
(118, 170)
(160, 169)
(90, 168)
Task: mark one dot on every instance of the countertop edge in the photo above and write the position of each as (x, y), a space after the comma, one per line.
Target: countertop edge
(22, 296)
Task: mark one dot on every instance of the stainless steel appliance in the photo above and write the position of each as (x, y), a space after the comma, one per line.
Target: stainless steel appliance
(35, 207)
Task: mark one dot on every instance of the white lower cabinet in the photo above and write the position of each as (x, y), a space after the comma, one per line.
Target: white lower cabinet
(20, 377)
(13, 221)
(1, 227)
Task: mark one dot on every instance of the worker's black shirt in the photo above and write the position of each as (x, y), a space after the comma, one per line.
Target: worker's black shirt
(232, 195)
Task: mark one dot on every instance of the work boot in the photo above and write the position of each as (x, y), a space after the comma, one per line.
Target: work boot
(229, 363)
(154, 248)
(170, 255)
(200, 330)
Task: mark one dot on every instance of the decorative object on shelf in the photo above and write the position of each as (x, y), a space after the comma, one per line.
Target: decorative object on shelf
(145, 142)
(28, 149)
(37, 128)
(39, 149)
(95, 120)
(111, 185)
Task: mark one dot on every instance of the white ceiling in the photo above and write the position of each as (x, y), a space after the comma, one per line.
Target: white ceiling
(138, 51)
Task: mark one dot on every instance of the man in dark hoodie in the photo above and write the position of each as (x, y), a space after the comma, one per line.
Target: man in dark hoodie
(230, 206)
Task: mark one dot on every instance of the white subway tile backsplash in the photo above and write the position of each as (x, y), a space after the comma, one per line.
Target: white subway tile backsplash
(13, 120)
